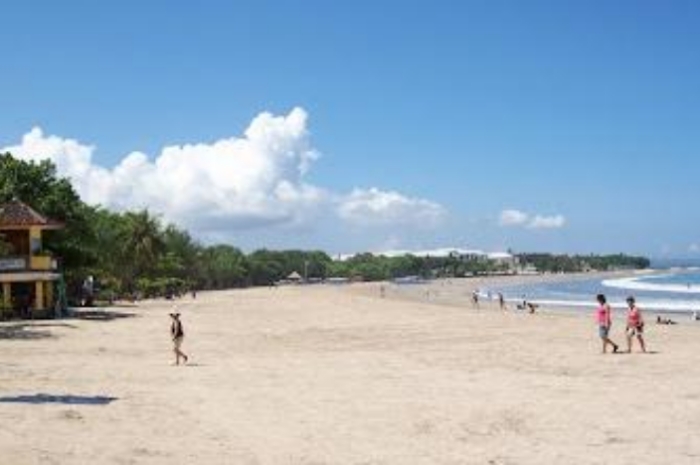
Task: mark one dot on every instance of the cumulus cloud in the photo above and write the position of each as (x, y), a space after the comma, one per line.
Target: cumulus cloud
(512, 217)
(249, 181)
(547, 222)
(376, 207)
(255, 180)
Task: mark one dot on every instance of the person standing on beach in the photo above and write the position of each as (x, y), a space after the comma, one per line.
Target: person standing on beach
(177, 334)
(475, 298)
(604, 320)
(635, 325)
(501, 302)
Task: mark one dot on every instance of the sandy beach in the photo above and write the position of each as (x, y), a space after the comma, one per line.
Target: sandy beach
(338, 375)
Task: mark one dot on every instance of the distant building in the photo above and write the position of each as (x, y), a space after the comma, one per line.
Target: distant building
(462, 254)
(506, 260)
(27, 274)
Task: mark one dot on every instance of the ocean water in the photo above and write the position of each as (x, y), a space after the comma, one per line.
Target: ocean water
(670, 290)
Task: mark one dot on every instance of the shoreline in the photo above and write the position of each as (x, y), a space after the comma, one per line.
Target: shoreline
(457, 292)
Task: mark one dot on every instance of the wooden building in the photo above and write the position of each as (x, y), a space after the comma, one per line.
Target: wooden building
(28, 276)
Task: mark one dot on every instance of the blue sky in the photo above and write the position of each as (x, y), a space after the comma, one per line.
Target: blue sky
(436, 122)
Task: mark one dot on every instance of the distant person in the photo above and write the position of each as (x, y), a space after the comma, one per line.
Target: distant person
(604, 320)
(177, 333)
(532, 307)
(475, 299)
(664, 321)
(635, 325)
(523, 304)
(382, 291)
(501, 301)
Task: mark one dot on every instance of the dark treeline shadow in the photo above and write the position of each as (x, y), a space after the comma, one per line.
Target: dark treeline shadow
(23, 331)
(58, 399)
(100, 315)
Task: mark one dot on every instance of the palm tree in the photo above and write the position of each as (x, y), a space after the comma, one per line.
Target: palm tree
(142, 246)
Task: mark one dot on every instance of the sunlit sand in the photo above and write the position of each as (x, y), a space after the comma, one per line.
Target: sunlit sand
(339, 375)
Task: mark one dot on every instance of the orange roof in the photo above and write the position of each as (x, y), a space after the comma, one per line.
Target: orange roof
(14, 214)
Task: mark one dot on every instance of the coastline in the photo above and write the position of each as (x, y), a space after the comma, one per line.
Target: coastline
(457, 292)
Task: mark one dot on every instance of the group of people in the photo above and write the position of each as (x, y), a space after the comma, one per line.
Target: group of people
(634, 326)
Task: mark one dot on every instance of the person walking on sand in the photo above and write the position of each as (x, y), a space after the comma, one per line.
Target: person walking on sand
(604, 320)
(178, 335)
(635, 325)
(501, 302)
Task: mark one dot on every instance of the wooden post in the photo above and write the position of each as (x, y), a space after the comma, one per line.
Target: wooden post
(49, 294)
(6, 295)
(34, 240)
(39, 296)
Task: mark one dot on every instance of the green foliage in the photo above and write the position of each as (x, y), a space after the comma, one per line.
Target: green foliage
(221, 267)
(550, 263)
(38, 185)
(266, 266)
(135, 253)
(370, 267)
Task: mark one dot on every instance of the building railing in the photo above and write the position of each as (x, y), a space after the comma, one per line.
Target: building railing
(42, 263)
(32, 263)
(13, 264)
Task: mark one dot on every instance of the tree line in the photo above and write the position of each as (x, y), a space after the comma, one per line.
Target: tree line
(135, 252)
(552, 263)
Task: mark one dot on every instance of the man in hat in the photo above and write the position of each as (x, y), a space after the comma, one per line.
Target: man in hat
(178, 334)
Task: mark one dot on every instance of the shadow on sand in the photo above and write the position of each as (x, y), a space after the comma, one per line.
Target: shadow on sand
(97, 314)
(58, 399)
(30, 331)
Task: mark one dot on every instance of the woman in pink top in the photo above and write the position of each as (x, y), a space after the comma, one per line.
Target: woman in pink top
(635, 325)
(604, 319)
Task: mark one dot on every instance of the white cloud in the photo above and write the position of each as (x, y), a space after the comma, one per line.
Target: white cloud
(694, 248)
(547, 222)
(369, 207)
(512, 217)
(255, 180)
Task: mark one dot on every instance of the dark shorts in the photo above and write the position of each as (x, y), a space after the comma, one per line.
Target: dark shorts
(603, 331)
(635, 331)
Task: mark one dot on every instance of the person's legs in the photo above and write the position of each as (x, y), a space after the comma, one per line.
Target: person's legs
(629, 341)
(640, 338)
(603, 331)
(183, 355)
(178, 352)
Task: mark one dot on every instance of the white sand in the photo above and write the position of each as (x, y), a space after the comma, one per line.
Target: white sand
(336, 375)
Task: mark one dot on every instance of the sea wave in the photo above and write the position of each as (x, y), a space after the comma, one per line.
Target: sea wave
(684, 306)
(638, 284)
